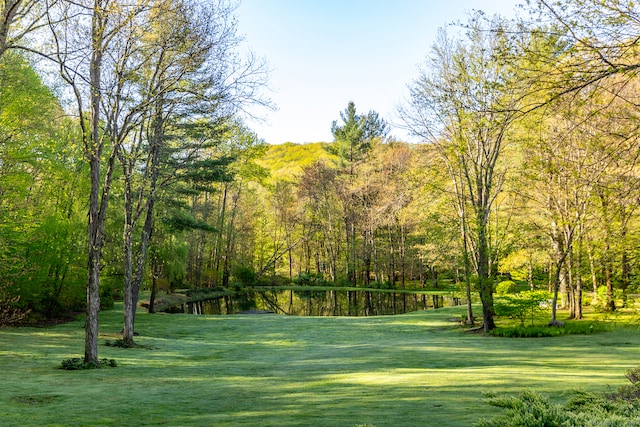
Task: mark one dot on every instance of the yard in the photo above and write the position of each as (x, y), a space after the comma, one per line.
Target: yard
(416, 369)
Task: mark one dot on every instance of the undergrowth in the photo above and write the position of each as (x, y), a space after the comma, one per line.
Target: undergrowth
(569, 328)
(76, 364)
(582, 409)
(119, 343)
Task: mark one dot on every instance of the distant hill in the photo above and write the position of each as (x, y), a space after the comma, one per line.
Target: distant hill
(288, 160)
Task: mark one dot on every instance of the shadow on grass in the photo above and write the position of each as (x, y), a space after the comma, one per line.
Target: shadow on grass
(408, 370)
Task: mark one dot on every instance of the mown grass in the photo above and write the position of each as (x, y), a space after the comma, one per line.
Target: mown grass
(417, 369)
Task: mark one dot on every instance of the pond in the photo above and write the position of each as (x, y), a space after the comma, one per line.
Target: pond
(321, 302)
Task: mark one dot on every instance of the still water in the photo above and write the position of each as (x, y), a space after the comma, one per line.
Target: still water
(320, 303)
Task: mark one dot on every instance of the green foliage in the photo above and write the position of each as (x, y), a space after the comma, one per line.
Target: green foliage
(296, 368)
(106, 298)
(307, 280)
(569, 328)
(386, 284)
(120, 343)
(178, 220)
(289, 160)
(585, 409)
(207, 170)
(354, 138)
(629, 392)
(601, 303)
(172, 252)
(506, 287)
(310, 279)
(41, 224)
(26, 105)
(527, 304)
(633, 375)
(246, 276)
(76, 364)
(527, 409)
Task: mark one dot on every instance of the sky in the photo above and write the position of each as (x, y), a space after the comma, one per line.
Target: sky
(324, 53)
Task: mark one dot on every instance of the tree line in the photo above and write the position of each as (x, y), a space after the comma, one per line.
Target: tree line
(125, 163)
(148, 91)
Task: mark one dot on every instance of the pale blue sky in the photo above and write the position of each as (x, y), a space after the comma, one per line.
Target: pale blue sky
(325, 53)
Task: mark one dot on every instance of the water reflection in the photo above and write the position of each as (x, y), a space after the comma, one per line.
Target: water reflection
(320, 303)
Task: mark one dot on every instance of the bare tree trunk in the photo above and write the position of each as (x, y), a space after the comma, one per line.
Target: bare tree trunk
(350, 251)
(484, 282)
(220, 235)
(156, 268)
(133, 291)
(462, 219)
(594, 277)
(578, 276)
(606, 264)
(467, 274)
(20, 12)
(570, 288)
(611, 303)
(127, 331)
(625, 274)
(562, 247)
(97, 206)
(403, 265)
(7, 15)
(606, 256)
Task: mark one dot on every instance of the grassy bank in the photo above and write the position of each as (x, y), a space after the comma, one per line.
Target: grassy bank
(271, 370)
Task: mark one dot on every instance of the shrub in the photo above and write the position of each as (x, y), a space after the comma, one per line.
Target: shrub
(10, 312)
(531, 409)
(106, 299)
(506, 287)
(521, 306)
(309, 279)
(382, 285)
(629, 392)
(527, 409)
(118, 343)
(633, 375)
(527, 332)
(76, 364)
(583, 408)
(569, 328)
(245, 275)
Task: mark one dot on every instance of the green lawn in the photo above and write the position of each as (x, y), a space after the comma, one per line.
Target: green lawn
(270, 370)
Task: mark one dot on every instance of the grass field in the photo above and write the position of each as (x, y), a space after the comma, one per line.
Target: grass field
(417, 369)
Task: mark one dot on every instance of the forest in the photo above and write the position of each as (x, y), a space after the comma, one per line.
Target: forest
(126, 166)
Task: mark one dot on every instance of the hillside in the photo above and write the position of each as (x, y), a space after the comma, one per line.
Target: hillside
(289, 159)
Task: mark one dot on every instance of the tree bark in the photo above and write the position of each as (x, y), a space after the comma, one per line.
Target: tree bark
(133, 280)
(97, 206)
(9, 11)
(484, 282)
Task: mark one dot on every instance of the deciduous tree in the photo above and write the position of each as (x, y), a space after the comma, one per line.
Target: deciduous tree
(464, 102)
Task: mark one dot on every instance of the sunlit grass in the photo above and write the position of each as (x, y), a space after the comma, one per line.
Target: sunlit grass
(269, 370)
